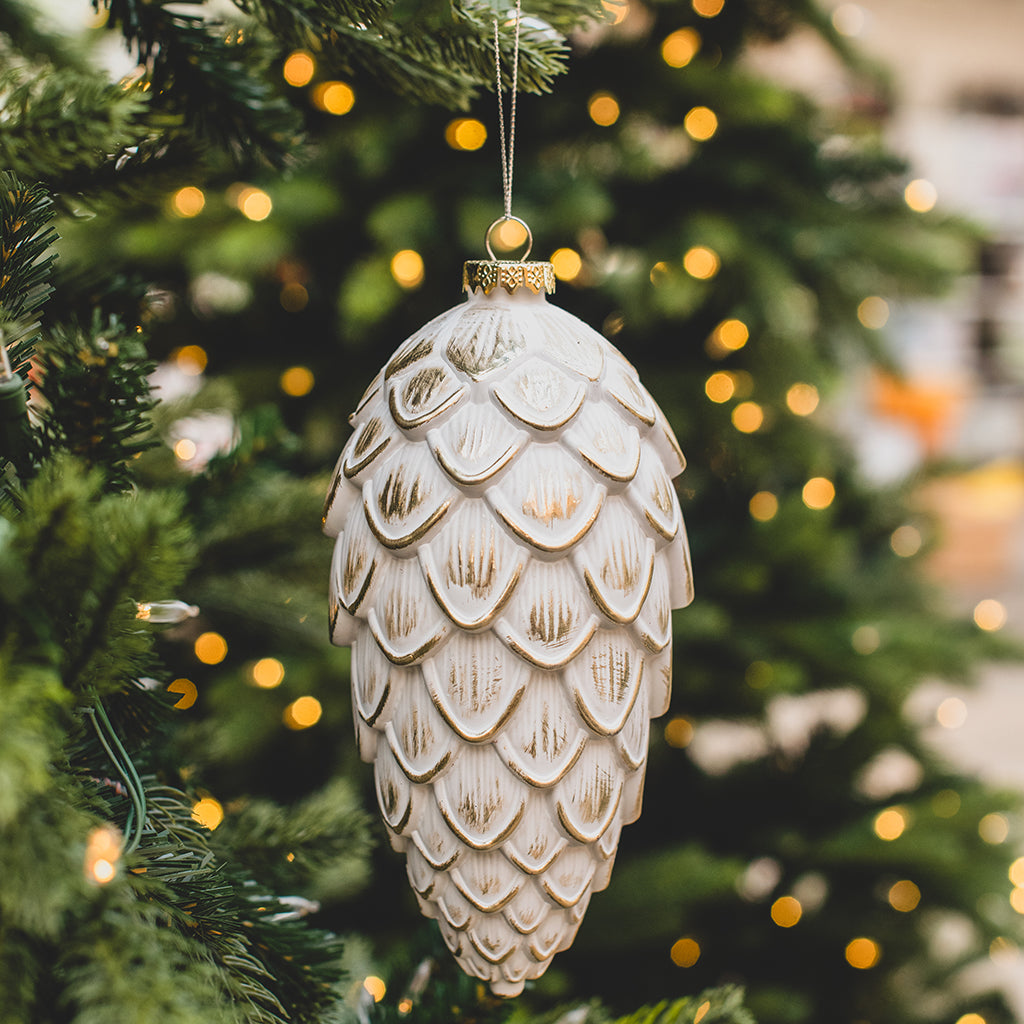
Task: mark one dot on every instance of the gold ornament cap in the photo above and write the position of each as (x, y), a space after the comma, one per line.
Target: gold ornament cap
(508, 274)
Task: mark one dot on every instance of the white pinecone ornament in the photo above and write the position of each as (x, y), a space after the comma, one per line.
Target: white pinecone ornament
(509, 549)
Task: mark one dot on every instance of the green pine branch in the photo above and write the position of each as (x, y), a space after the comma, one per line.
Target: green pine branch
(435, 53)
(95, 398)
(25, 265)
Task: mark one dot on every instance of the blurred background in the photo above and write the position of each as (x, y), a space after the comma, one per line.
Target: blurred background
(804, 224)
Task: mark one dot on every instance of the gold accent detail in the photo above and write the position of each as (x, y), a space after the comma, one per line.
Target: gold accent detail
(508, 274)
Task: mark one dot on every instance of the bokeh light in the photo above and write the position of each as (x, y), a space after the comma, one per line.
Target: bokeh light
(211, 648)
(603, 109)
(302, 713)
(376, 987)
(294, 297)
(994, 829)
(465, 133)
(267, 673)
(188, 201)
(685, 952)
(764, 506)
(748, 417)
(906, 540)
(407, 268)
(190, 359)
(208, 812)
(701, 262)
(802, 399)
(819, 492)
(904, 895)
(951, 713)
(787, 911)
(567, 264)
(680, 47)
(679, 732)
(873, 312)
(921, 195)
(297, 381)
(890, 824)
(299, 68)
(336, 98)
(708, 8)
(188, 690)
(720, 387)
(990, 615)
(863, 953)
(254, 203)
(700, 123)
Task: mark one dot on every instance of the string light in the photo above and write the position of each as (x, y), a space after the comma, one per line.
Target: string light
(302, 713)
(971, 1018)
(405, 1006)
(873, 312)
(904, 896)
(294, 297)
(700, 123)
(567, 264)
(906, 540)
(720, 387)
(188, 690)
(764, 506)
(299, 68)
(786, 911)
(1017, 900)
(336, 98)
(921, 195)
(376, 987)
(701, 262)
(702, 1011)
(748, 417)
(802, 399)
(890, 824)
(165, 613)
(685, 952)
(658, 273)
(188, 201)
(679, 732)
(211, 648)
(708, 8)
(407, 268)
(102, 854)
(267, 673)
(863, 953)
(297, 381)
(819, 492)
(994, 829)
(603, 109)
(465, 133)
(679, 48)
(951, 713)
(990, 615)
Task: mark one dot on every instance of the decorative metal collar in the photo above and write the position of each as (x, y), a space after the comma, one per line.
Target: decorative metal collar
(508, 274)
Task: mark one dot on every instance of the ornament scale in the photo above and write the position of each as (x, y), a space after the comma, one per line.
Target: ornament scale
(509, 549)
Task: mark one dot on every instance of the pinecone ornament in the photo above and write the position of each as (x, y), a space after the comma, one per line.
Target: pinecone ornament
(509, 549)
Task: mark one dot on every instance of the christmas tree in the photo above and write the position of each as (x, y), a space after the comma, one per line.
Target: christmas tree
(268, 208)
